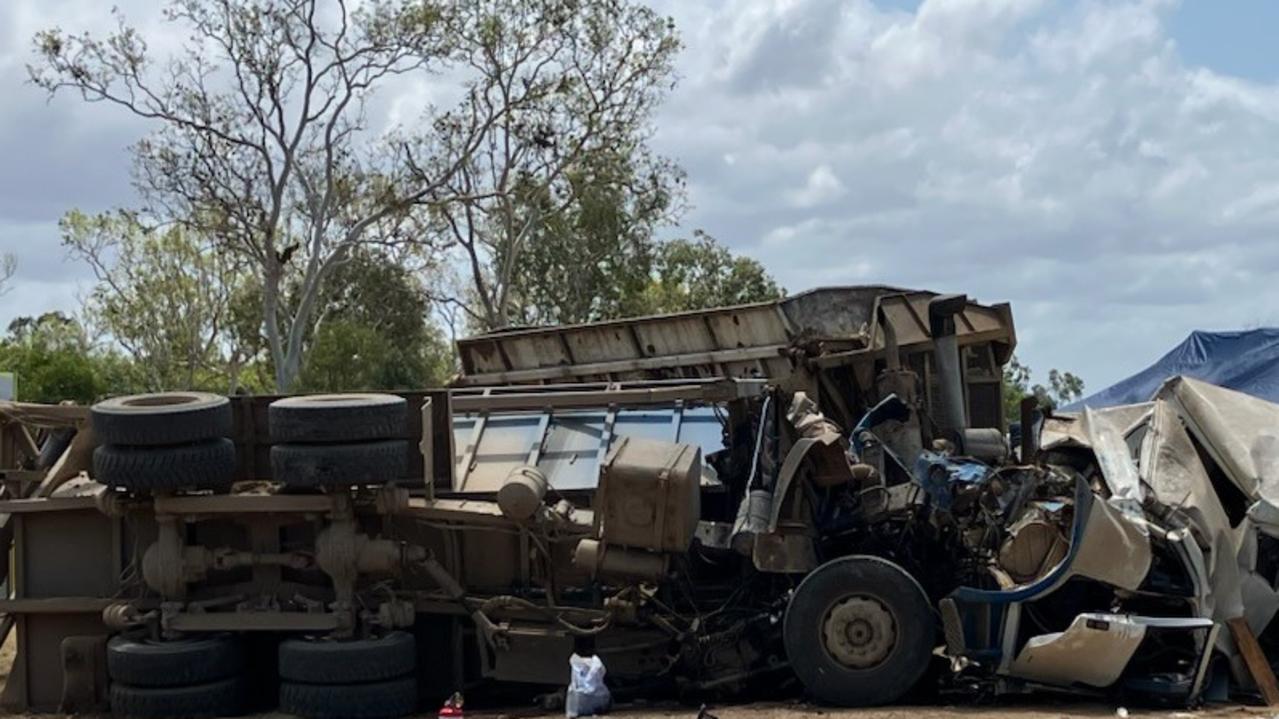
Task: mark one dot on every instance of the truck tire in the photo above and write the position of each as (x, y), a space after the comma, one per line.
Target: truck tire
(225, 698)
(207, 465)
(338, 418)
(378, 700)
(148, 420)
(339, 465)
(859, 631)
(148, 664)
(337, 662)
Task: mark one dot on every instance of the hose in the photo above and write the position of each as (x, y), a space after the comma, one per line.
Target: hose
(507, 602)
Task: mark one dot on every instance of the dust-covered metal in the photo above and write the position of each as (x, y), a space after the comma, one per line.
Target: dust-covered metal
(799, 495)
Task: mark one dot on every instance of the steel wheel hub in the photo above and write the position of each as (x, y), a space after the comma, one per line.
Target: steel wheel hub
(859, 632)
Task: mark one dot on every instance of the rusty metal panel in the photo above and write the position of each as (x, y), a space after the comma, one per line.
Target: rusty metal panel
(490, 561)
(35, 682)
(836, 312)
(909, 315)
(744, 341)
(67, 554)
(603, 345)
(637, 348)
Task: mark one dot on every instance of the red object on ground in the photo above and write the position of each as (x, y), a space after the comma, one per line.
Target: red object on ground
(452, 708)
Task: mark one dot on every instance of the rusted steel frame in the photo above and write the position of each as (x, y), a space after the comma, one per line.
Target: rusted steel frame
(46, 504)
(971, 338)
(708, 391)
(244, 503)
(56, 605)
(253, 622)
(712, 358)
(44, 415)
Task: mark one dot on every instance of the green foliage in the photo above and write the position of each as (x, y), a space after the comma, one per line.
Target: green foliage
(189, 320)
(549, 216)
(592, 258)
(280, 165)
(375, 331)
(345, 355)
(259, 136)
(162, 295)
(538, 187)
(597, 258)
(54, 362)
(1063, 388)
(699, 273)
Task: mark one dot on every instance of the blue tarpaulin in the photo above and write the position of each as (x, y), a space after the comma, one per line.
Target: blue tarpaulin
(1246, 361)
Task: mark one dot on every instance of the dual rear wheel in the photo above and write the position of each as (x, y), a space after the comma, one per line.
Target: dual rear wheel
(371, 678)
(176, 441)
(202, 677)
(164, 442)
(359, 679)
(339, 440)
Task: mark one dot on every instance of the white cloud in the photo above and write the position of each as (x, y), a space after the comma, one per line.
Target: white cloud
(1057, 154)
(822, 186)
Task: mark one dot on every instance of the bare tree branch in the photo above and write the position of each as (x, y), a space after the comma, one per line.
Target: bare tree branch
(261, 136)
(8, 268)
(553, 82)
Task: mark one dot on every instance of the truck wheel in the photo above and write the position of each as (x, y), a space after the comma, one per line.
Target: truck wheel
(336, 465)
(340, 662)
(161, 419)
(207, 465)
(217, 699)
(859, 632)
(147, 664)
(378, 700)
(338, 418)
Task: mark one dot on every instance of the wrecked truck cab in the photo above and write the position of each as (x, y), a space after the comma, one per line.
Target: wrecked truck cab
(1180, 520)
(1069, 628)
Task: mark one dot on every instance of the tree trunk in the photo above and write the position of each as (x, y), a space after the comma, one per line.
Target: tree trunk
(271, 280)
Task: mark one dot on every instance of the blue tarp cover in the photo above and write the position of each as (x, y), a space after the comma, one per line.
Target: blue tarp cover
(1247, 361)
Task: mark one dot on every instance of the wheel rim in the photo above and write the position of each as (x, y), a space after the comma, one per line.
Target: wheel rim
(859, 632)
(159, 400)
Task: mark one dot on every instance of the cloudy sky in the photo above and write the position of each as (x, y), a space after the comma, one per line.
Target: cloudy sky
(1108, 167)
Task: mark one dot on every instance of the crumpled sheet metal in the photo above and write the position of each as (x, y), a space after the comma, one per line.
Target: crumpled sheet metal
(1171, 469)
(822, 438)
(937, 473)
(1114, 456)
(1240, 431)
(1115, 550)
(1241, 434)
(807, 419)
(1258, 596)
(1094, 650)
(1068, 429)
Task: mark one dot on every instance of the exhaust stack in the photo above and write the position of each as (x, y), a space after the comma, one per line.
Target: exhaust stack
(952, 416)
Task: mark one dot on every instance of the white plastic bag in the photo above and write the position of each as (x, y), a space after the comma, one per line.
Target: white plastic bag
(587, 695)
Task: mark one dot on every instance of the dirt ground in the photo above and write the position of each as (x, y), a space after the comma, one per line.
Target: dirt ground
(1042, 709)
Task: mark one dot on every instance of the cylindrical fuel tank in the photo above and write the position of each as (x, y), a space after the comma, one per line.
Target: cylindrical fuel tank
(600, 559)
(522, 493)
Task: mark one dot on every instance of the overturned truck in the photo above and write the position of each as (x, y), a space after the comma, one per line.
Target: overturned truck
(816, 491)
